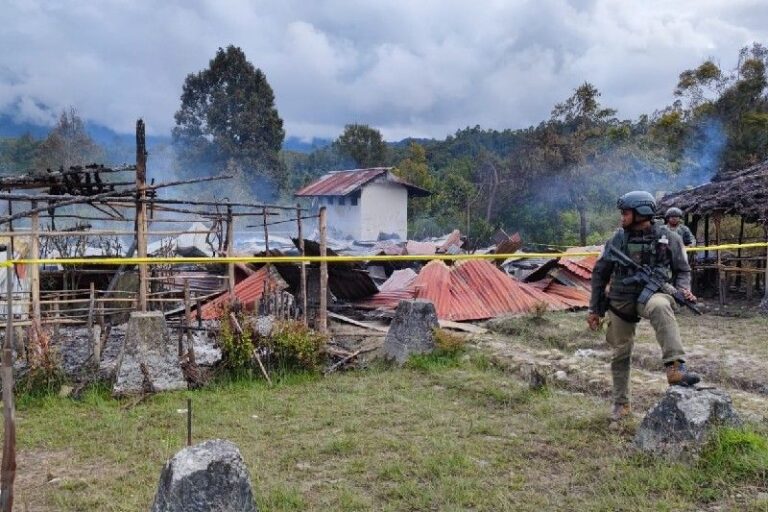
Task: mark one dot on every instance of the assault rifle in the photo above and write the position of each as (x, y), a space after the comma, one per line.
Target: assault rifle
(654, 280)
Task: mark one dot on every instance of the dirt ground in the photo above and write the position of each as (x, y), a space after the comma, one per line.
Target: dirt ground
(728, 347)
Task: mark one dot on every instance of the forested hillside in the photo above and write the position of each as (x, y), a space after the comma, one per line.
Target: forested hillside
(555, 182)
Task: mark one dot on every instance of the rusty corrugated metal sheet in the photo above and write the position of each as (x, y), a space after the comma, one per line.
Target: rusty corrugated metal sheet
(399, 280)
(420, 248)
(434, 284)
(499, 294)
(341, 183)
(470, 290)
(386, 300)
(247, 292)
(574, 297)
(387, 247)
(452, 244)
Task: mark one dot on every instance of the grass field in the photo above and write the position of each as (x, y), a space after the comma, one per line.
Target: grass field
(441, 434)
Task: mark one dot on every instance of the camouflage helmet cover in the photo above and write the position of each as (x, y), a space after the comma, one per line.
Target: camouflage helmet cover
(673, 212)
(640, 201)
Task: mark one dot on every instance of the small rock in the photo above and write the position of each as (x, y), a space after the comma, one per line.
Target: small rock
(536, 378)
(586, 352)
(65, 391)
(561, 376)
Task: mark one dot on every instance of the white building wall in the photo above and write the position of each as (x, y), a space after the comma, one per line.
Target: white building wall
(384, 209)
(343, 219)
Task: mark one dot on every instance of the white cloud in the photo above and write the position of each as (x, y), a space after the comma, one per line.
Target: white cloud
(409, 68)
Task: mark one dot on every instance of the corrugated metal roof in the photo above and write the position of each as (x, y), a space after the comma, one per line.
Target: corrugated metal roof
(342, 183)
(470, 290)
(574, 297)
(247, 292)
(452, 244)
(399, 280)
(420, 248)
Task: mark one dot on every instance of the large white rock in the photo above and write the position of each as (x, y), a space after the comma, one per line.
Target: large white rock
(208, 477)
(680, 422)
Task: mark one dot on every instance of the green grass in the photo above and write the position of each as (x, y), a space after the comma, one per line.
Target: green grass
(444, 433)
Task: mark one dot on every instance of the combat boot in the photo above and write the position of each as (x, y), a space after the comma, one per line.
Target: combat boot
(620, 411)
(678, 375)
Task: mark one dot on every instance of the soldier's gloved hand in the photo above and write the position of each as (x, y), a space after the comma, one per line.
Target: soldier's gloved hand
(688, 295)
(593, 320)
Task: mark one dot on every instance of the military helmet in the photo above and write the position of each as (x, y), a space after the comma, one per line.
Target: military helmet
(673, 212)
(640, 201)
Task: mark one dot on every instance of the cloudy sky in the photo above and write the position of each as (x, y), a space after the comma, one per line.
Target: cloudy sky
(410, 68)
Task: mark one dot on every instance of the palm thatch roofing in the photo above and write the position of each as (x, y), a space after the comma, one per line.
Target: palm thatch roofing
(743, 192)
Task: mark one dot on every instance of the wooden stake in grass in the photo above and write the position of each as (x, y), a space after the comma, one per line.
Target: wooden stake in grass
(8, 470)
(322, 315)
(189, 422)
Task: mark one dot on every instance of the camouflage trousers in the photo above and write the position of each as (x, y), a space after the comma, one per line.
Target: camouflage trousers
(660, 311)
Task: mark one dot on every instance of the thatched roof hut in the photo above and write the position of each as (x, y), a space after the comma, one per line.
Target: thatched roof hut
(743, 193)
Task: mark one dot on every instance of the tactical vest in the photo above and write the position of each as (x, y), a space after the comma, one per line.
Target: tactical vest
(651, 248)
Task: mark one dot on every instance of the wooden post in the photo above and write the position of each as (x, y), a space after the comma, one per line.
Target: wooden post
(303, 267)
(91, 305)
(141, 211)
(56, 317)
(8, 469)
(322, 315)
(188, 323)
(34, 274)
(100, 315)
(716, 218)
(706, 237)
(11, 253)
(738, 254)
(94, 332)
(266, 233)
(230, 244)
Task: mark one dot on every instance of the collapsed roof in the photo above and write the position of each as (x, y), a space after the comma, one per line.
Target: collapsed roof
(743, 192)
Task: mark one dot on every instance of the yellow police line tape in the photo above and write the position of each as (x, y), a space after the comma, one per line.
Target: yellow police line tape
(332, 259)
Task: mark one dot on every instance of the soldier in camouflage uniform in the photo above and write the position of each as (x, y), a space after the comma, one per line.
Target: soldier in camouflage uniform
(647, 243)
(673, 219)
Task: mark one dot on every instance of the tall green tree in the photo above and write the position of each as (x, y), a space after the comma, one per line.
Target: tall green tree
(18, 154)
(415, 170)
(67, 144)
(228, 119)
(363, 145)
(582, 126)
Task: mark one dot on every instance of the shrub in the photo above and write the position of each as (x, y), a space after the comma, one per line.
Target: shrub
(236, 348)
(447, 342)
(448, 347)
(44, 375)
(539, 310)
(295, 346)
